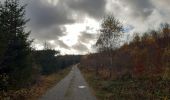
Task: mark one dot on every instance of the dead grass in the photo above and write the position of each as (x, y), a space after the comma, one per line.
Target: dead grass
(38, 89)
(128, 89)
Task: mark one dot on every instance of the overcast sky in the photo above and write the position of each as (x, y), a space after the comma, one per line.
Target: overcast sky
(71, 26)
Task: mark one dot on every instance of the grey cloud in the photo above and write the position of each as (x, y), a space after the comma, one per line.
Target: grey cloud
(80, 47)
(162, 6)
(47, 20)
(44, 15)
(62, 44)
(139, 8)
(51, 33)
(86, 37)
(56, 43)
(93, 8)
(164, 3)
(89, 28)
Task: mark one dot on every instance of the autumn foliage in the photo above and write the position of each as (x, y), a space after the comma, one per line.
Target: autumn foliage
(139, 70)
(144, 57)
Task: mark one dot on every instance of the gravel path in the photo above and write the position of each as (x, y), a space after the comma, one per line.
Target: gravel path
(72, 87)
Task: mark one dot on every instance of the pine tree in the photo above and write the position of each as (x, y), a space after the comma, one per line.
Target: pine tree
(14, 44)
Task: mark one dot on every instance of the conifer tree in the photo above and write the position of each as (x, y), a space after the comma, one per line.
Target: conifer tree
(14, 44)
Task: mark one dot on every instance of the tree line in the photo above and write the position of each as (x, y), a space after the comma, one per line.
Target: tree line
(51, 63)
(146, 56)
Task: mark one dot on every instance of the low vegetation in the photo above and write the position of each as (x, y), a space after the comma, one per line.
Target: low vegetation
(38, 89)
(127, 89)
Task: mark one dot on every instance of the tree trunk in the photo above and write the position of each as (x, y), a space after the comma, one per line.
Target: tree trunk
(110, 67)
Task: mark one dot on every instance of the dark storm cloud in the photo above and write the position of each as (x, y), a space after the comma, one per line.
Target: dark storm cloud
(86, 37)
(47, 20)
(139, 8)
(44, 14)
(51, 33)
(80, 47)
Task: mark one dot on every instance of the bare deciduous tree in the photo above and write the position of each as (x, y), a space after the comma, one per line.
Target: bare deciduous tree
(110, 33)
(109, 39)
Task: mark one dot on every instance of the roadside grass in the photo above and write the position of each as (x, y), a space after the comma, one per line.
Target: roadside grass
(128, 89)
(38, 89)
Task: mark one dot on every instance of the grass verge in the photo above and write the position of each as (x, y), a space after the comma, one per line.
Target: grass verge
(38, 89)
(128, 89)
